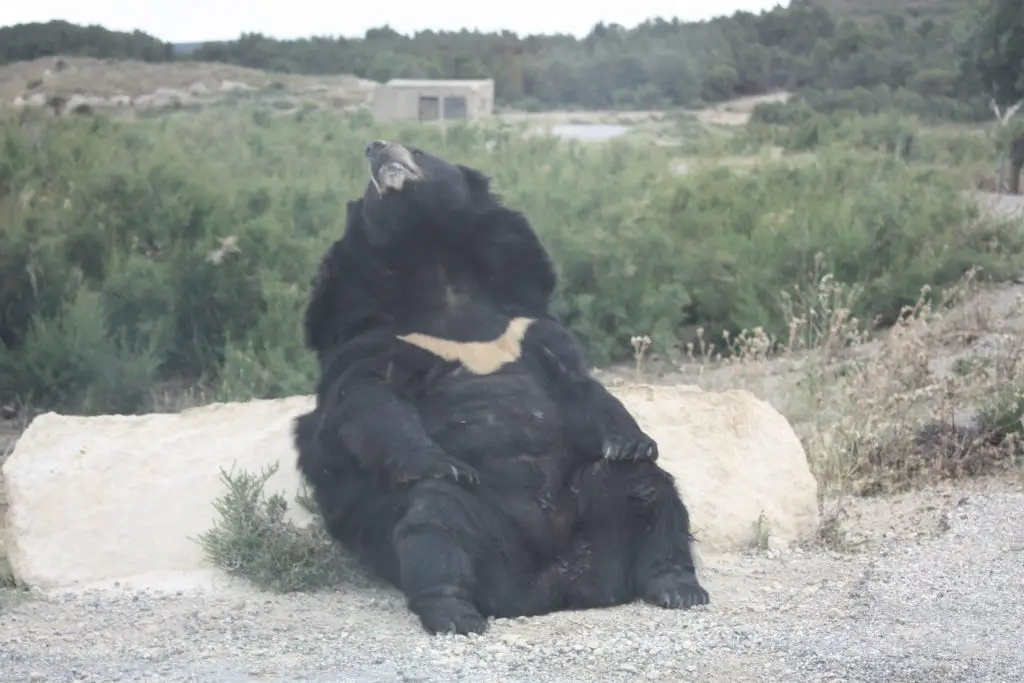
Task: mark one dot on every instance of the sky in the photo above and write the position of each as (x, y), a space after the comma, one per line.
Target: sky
(182, 21)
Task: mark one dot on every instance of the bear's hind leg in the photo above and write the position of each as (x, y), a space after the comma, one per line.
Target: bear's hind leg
(664, 571)
(439, 543)
(639, 535)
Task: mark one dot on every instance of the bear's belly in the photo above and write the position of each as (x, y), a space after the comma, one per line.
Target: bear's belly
(503, 424)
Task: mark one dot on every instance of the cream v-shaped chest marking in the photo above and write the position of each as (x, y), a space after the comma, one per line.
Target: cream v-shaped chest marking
(480, 358)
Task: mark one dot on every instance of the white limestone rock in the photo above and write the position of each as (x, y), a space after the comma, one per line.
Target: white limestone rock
(99, 499)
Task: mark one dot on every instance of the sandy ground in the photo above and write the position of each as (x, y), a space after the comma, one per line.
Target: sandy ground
(734, 112)
(1009, 205)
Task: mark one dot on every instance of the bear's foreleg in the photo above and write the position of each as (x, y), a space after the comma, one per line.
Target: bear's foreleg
(382, 429)
(597, 424)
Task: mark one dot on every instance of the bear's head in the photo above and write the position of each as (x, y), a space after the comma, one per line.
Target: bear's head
(409, 186)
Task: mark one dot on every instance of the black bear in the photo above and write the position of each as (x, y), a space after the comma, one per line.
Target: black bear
(459, 444)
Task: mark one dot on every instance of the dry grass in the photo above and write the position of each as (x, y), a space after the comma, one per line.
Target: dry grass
(744, 163)
(938, 396)
(730, 113)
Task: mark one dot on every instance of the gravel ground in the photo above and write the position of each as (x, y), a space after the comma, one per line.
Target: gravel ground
(932, 591)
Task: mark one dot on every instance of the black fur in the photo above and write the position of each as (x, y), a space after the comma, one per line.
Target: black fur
(519, 492)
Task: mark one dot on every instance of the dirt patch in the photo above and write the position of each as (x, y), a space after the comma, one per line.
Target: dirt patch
(734, 112)
(555, 118)
(737, 112)
(1005, 205)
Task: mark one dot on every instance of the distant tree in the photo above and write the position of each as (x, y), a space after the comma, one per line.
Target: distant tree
(992, 50)
(992, 62)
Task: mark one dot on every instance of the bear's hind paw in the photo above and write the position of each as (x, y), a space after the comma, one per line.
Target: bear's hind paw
(675, 590)
(451, 615)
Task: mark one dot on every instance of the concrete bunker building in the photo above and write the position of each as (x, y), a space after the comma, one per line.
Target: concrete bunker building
(402, 99)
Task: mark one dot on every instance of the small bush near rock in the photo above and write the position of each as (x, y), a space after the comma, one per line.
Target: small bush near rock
(253, 540)
(11, 593)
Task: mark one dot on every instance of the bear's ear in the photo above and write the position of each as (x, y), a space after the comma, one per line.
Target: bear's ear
(478, 183)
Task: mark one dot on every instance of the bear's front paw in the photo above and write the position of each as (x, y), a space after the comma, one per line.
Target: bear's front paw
(630, 446)
(435, 465)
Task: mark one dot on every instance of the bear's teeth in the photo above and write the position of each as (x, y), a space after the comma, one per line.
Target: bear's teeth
(376, 183)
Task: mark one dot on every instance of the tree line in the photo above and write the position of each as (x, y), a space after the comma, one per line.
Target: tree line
(658, 63)
(940, 58)
(22, 42)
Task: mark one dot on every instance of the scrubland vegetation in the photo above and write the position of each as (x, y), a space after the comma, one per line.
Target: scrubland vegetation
(140, 260)
(164, 262)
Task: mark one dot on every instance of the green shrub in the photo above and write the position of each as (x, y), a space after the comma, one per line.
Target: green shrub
(253, 539)
(70, 362)
(890, 131)
(932, 106)
(178, 250)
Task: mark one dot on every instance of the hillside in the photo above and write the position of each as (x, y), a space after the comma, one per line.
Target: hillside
(130, 87)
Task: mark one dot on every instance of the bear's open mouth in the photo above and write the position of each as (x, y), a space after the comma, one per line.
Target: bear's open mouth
(391, 166)
(392, 176)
